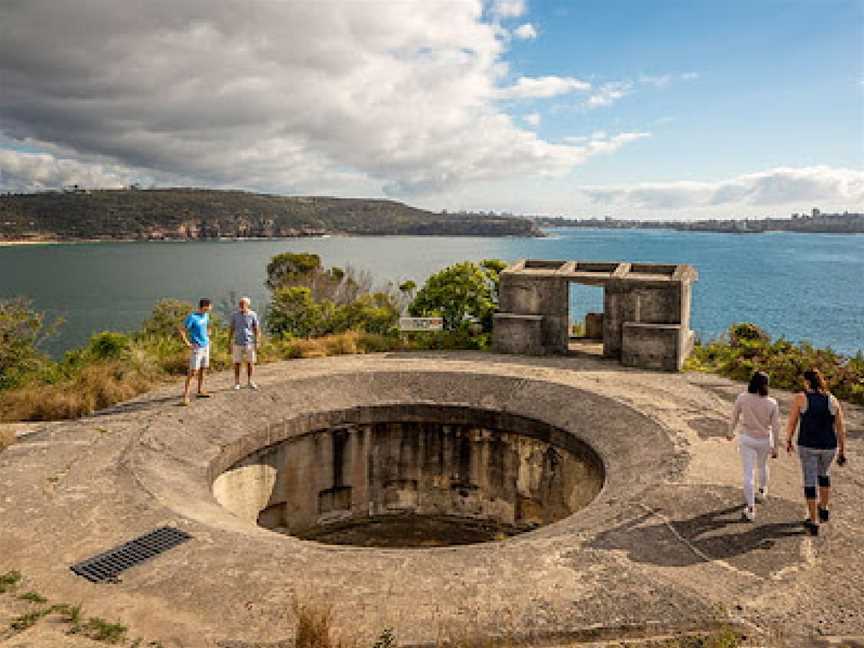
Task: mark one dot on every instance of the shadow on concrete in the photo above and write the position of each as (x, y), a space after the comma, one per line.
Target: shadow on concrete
(137, 406)
(715, 535)
(573, 361)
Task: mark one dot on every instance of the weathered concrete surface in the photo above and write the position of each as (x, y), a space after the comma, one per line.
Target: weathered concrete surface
(661, 547)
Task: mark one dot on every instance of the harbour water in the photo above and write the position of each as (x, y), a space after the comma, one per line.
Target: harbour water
(801, 286)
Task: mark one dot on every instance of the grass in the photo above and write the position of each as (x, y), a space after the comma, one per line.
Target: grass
(314, 627)
(7, 438)
(28, 620)
(149, 362)
(94, 388)
(99, 629)
(70, 614)
(9, 581)
(33, 597)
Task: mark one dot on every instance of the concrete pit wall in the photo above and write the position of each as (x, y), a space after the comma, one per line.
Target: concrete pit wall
(397, 482)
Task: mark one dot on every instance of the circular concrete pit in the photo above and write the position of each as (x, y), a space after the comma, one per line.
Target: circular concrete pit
(413, 476)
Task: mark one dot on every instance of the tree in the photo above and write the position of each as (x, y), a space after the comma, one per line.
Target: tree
(461, 292)
(372, 312)
(22, 330)
(290, 268)
(294, 312)
(166, 316)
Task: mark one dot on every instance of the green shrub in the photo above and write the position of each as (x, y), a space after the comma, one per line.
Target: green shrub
(461, 293)
(294, 312)
(166, 316)
(108, 345)
(22, 330)
(746, 348)
(373, 312)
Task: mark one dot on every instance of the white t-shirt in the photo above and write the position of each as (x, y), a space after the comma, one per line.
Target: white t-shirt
(759, 416)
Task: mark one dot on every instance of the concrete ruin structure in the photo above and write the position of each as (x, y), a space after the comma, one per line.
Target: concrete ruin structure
(646, 310)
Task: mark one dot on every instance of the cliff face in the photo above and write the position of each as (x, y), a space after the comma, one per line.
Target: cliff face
(202, 214)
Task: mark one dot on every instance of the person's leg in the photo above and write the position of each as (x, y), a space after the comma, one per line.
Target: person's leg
(205, 363)
(762, 455)
(748, 463)
(809, 470)
(237, 357)
(250, 365)
(189, 374)
(826, 458)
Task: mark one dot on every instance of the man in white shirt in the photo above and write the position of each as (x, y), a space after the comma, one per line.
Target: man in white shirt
(245, 340)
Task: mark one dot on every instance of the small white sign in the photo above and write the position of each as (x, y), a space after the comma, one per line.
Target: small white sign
(421, 323)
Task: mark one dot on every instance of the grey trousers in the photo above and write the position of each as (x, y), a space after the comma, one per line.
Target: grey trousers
(815, 463)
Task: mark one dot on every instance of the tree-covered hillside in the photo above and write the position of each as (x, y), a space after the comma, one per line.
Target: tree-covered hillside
(206, 213)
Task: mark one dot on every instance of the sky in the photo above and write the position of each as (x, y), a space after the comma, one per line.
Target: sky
(624, 108)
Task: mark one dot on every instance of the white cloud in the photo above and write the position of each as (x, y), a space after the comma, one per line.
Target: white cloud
(609, 93)
(279, 96)
(660, 81)
(532, 119)
(663, 80)
(525, 32)
(779, 186)
(543, 87)
(508, 8)
(22, 171)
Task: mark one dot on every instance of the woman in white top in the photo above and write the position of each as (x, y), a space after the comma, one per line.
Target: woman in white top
(760, 425)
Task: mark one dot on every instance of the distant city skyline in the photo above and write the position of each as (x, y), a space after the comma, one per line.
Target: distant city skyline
(659, 109)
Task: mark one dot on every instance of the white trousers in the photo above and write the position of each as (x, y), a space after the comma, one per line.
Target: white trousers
(754, 456)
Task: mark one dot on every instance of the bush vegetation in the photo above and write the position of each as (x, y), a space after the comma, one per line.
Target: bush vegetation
(314, 312)
(317, 311)
(746, 348)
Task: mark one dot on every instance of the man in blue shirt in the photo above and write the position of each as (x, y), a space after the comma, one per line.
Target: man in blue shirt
(195, 333)
(245, 340)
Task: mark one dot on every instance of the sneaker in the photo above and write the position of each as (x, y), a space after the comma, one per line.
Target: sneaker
(761, 495)
(812, 527)
(184, 402)
(748, 514)
(236, 386)
(252, 385)
(824, 514)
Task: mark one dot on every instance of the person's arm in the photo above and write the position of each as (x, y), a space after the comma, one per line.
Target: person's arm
(231, 331)
(792, 423)
(257, 331)
(182, 330)
(736, 414)
(840, 427)
(774, 432)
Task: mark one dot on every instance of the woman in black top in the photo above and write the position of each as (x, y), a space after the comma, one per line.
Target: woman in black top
(821, 435)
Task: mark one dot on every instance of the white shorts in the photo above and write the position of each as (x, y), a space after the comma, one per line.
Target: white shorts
(243, 353)
(199, 358)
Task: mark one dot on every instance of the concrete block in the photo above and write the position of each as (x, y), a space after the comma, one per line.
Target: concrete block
(518, 334)
(652, 346)
(594, 326)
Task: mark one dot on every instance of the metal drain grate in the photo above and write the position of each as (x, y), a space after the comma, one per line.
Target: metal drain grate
(104, 567)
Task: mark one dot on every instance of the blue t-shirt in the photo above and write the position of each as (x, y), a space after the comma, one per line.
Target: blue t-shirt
(196, 327)
(244, 325)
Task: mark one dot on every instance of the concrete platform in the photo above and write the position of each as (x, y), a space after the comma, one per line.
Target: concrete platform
(660, 550)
